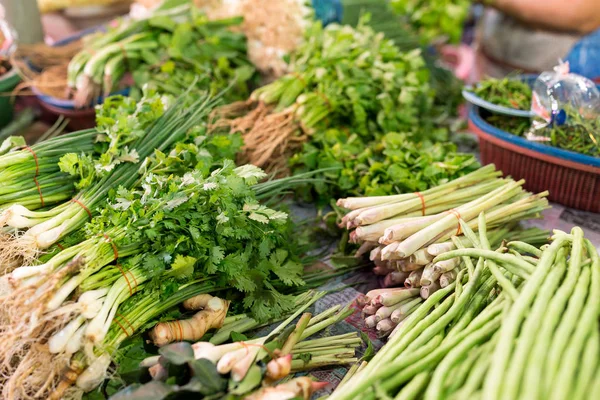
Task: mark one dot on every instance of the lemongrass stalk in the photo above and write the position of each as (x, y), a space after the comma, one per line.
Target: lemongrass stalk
(324, 315)
(375, 254)
(385, 327)
(395, 296)
(405, 309)
(438, 248)
(428, 290)
(486, 172)
(342, 314)
(295, 336)
(326, 341)
(429, 275)
(410, 267)
(414, 279)
(420, 257)
(319, 362)
(386, 311)
(341, 352)
(396, 278)
(468, 212)
(350, 373)
(447, 278)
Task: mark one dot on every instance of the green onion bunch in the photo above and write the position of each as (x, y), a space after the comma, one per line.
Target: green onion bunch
(166, 49)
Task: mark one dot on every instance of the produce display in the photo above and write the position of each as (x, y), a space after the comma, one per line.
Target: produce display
(181, 248)
(517, 322)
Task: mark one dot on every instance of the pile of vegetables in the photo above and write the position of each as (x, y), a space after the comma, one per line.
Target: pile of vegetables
(171, 218)
(518, 322)
(172, 48)
(249, 368)
(391, 163)
(507, 92)
(340, 76)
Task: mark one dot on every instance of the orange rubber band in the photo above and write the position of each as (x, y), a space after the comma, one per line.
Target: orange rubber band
(324, 98)
(114, 247)
(299, 77)
(122, 328)
(126, 279)
(87, 210)
(127, 322)
(422, 202)
(37, 173)
(458, 218)
(60, 246)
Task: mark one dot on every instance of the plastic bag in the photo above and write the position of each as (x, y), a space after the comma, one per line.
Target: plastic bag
(562, 98)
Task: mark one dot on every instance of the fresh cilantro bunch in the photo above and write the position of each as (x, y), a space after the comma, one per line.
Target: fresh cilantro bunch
(390, 164)
(345, 76)
(434, 19)
(120, 121)
(194, 226)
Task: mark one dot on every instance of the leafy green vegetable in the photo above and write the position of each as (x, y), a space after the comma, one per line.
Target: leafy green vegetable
(391, 163)
(507, 92)
(434, 19)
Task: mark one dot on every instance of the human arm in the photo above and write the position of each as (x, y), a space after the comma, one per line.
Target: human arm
(581, 16)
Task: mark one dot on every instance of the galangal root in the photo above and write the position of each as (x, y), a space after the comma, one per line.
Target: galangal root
(212, 316)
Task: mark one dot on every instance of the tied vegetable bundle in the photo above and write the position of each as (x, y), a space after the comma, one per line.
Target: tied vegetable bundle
(52, 171)
(154, 126)
(340, 76)
(151, 247)
(518, 322)
(404, 232)
(253, 368)
(173, 48)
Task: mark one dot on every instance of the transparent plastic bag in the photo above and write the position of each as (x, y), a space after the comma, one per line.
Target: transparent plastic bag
(562, 98)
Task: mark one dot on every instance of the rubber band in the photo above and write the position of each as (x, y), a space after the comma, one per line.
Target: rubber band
(324, 98)
(87, 210)
(299, 77)
(126, 321)
(122, 328)
(114, 247)
(458, 218)
(37, 173)
(126, 279)
(422, 202)
(60, 246)
(39, 188)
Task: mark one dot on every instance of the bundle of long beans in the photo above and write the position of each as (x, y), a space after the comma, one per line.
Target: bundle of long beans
(385, 309)
(518, 324)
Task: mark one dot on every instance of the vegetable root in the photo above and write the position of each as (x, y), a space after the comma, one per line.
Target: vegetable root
(212, 316)
(269, 137)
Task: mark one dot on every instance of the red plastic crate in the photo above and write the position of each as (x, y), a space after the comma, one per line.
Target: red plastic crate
(572, 179)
